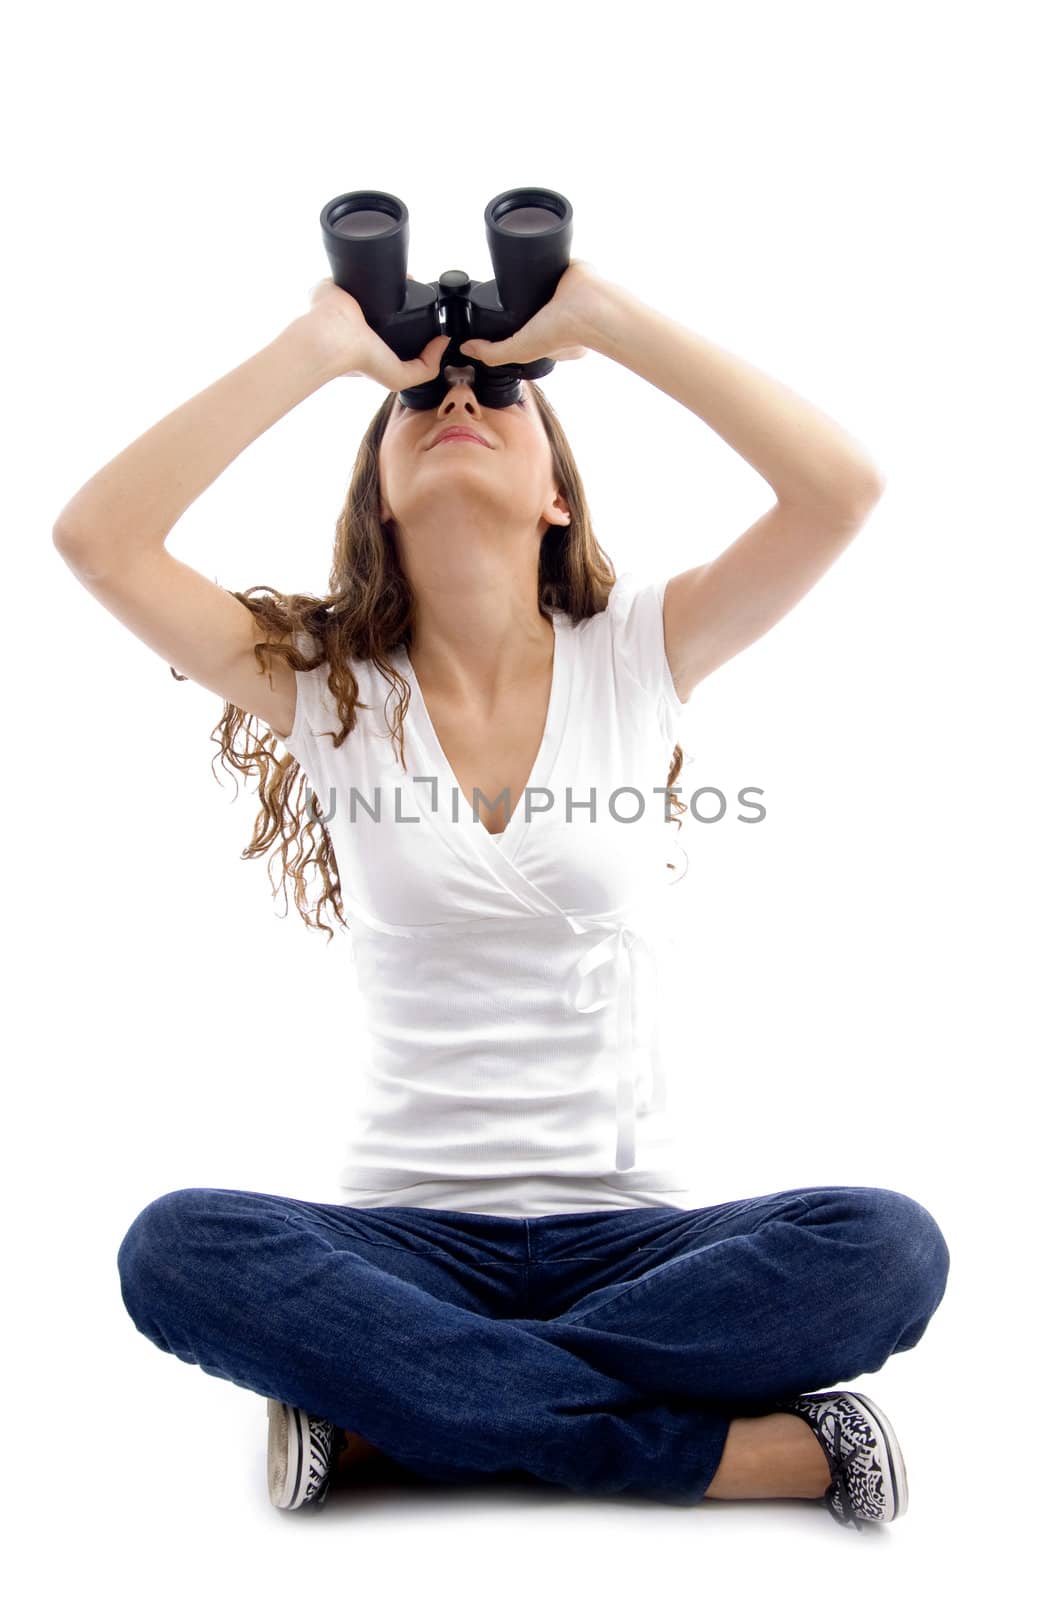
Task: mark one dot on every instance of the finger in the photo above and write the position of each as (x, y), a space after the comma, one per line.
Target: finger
(491, 354)
(432, 355)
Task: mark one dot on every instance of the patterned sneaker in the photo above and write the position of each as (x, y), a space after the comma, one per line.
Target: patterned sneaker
(301, 1452)
(868, 1480)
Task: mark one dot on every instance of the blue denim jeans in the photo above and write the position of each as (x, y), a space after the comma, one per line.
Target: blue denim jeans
(606, 1351)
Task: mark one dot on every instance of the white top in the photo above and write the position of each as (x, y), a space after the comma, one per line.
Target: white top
(509, 981)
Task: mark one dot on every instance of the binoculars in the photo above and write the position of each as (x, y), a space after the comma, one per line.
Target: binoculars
(367, 237)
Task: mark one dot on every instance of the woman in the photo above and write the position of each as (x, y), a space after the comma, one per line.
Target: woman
(511, 1283)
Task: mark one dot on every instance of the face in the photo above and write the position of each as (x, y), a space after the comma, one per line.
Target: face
(504, 488)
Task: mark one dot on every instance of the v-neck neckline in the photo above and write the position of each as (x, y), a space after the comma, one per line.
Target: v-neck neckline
(544, 758)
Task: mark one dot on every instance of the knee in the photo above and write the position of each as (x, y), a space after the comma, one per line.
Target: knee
(151, 1248)
(911, 1251)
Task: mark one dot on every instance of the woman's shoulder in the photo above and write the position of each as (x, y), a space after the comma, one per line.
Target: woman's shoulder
(628, 635)
(318, 709)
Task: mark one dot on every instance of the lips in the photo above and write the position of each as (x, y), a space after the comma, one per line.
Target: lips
(458, 433)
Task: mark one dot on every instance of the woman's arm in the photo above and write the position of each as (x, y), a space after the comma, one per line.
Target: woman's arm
(800, 452)
(132, 503)
(826, 486)
(112, 534)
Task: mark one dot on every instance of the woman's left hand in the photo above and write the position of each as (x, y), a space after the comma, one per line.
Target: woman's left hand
(558, 330)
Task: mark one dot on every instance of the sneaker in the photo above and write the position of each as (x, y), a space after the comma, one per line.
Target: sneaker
(301, 1452)
(868, 1482)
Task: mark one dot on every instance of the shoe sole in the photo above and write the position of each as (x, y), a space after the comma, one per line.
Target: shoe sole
(896, 1484)
(288, 1456)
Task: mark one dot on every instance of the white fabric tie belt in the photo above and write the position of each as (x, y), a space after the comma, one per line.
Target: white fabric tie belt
(611, 957)
(614, 953)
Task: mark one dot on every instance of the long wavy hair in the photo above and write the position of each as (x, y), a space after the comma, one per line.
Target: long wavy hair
(368, 612)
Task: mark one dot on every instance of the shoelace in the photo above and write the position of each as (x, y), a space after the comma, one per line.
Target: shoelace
(336, 1446)
(839, 1482)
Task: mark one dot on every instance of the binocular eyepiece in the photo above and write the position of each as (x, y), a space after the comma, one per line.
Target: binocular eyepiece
(367, 238)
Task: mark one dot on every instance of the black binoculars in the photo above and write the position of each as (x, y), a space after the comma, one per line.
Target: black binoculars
(367, 238)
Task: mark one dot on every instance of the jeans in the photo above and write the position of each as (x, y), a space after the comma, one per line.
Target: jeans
(606, 1351)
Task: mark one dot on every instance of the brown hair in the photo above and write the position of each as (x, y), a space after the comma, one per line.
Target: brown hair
(367, 613)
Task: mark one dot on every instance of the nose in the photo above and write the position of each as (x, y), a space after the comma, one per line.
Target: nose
(460, 393)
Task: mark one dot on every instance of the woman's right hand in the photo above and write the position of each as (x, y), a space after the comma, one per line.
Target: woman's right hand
(339, 323)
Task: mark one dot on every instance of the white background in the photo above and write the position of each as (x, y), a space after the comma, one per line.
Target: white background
(859, 199)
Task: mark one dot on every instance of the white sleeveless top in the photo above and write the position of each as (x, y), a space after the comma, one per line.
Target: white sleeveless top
(509, 981)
